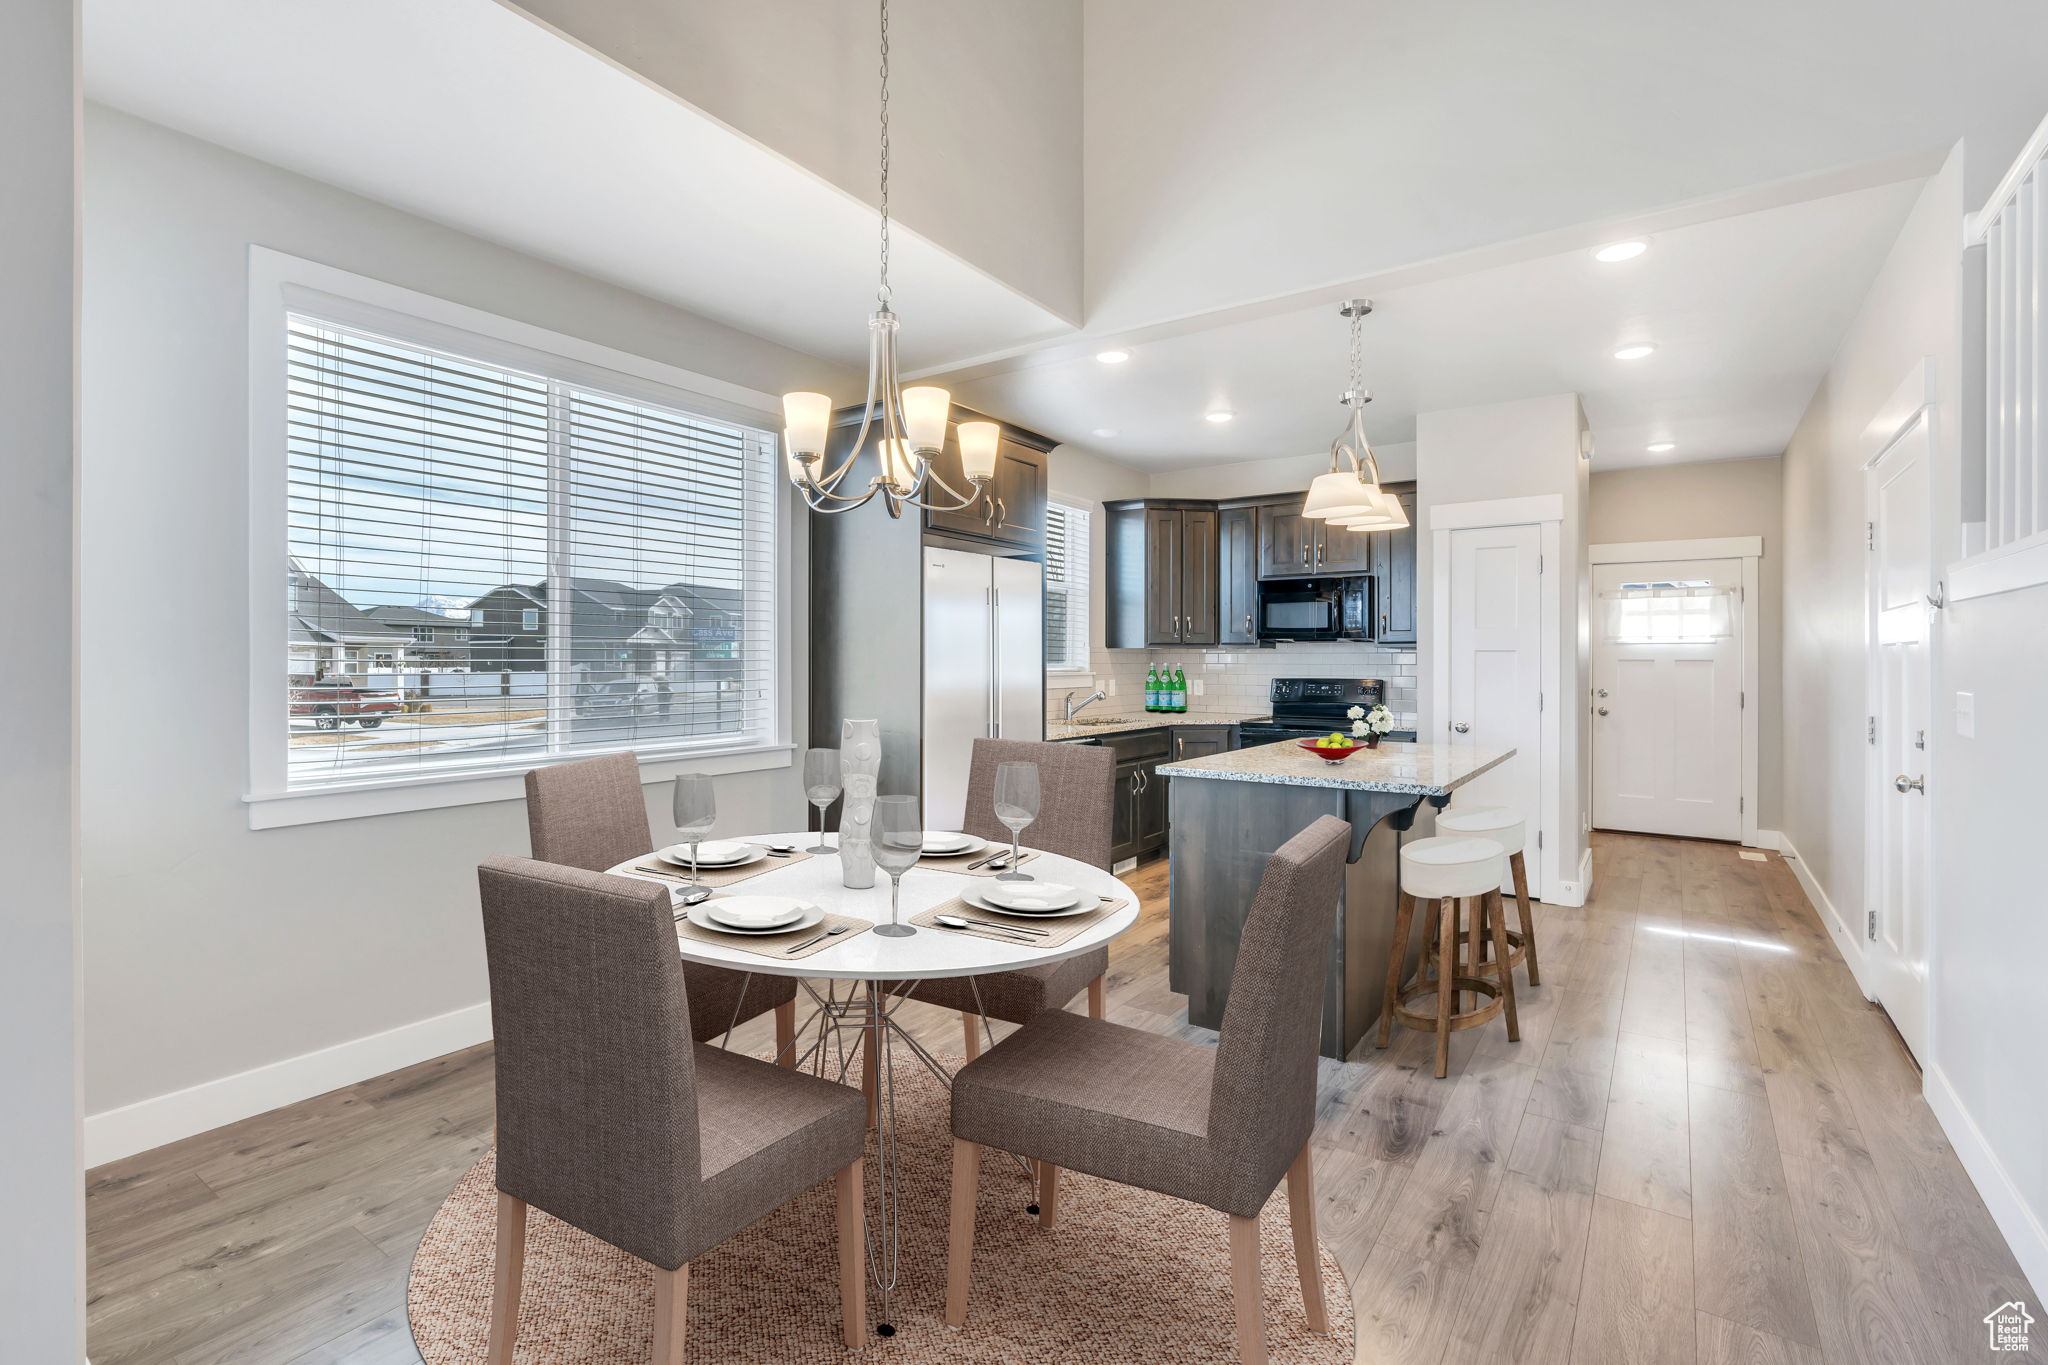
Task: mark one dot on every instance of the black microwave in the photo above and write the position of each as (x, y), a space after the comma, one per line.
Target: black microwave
(1316, 609)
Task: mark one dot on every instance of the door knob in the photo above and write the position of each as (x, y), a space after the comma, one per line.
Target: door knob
(1905, 784)
(1603, 710)
(1461, 727)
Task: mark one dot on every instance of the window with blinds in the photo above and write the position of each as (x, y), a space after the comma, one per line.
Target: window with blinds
(492, 566)
(1066, 586)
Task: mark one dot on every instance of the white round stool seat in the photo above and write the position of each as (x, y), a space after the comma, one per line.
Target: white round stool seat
(1453, 865)
(1502, 824)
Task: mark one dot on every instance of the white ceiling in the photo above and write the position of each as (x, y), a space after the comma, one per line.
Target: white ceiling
(1745, 312)
(468, 113)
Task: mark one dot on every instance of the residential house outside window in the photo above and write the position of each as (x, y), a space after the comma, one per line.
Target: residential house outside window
(611, 553)
(1066, 587)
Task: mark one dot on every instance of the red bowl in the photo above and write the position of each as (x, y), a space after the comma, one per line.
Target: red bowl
(1331, 754)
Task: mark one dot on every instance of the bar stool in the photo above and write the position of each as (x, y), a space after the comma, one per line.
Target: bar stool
(1454, 873)
(1504, 826)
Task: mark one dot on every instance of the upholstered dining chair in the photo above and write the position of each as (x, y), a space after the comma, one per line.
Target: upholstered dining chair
(1220, 1126)
(590, 814)
(1077, 794)
(612, 1119)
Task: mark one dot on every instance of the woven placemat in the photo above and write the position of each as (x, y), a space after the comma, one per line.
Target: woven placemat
(960, 864)
(1041, 931)
(779, 946)
(713, 877)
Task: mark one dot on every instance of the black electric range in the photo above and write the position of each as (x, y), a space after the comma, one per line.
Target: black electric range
(1304, 708)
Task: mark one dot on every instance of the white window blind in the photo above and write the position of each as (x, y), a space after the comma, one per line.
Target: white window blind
(1066, 586)
(609, 560)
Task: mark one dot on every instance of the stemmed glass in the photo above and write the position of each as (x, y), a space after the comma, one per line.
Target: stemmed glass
(821, 787)
(898, 844)
(696, 811)
(1016, 807)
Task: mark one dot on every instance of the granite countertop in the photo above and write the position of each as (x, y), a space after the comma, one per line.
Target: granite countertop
(1154, 721)
(1420, 769)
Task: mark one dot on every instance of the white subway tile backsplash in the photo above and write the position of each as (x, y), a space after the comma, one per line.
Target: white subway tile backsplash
(1240, 679)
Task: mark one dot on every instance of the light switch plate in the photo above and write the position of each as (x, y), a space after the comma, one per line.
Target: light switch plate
(1966, 714)
(1194, 687)
(1109, 686)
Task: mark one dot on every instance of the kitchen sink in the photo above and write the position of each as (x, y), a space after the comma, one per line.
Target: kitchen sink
(1101, 720)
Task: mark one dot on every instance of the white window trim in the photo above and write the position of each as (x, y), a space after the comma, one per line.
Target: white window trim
(1088, 510)
(279, 284)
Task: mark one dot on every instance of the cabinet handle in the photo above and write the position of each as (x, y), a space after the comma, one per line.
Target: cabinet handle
(1247, 623)
(1383, 623)
(1304, 556)
(1002, 512)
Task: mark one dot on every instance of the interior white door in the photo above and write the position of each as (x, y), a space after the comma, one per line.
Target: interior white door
(1900, 560)
(1667, 698)
(1496, 659)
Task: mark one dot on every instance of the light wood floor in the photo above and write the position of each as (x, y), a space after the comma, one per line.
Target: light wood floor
(1707, 1147)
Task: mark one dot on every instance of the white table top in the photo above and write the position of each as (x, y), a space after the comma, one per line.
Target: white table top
(927, 954)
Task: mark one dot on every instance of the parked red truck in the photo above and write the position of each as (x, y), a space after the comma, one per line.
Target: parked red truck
(336, 698)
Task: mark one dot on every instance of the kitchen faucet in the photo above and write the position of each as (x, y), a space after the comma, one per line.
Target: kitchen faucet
(1072, 707)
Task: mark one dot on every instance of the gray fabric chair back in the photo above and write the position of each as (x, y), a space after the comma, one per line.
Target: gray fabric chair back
(1077, 794)
(1262, 1103)
(587, 814)
(597, 1105)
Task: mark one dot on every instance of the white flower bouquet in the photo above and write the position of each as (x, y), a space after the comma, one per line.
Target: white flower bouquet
(1370, 724)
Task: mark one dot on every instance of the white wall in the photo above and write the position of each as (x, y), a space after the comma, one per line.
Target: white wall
(985, 109)
(213, 950)
(42, 1252)
(1984, 1075)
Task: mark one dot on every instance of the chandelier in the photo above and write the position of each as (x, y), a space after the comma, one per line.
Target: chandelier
(912, 421)
(1352, 498)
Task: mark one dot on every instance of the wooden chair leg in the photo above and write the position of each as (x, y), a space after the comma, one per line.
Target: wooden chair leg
(671, 1301)
(1525, 912)
(785, 1034)
(1446, 961)
(1048, 1194)
(507, 1279)
(871, 1058)
(853, 1271)
(970, 1024)
(960, 1235)
(1404, 919)
(1098, 999)
(1496, 913)
(1245, 1294)
(1301, 1211)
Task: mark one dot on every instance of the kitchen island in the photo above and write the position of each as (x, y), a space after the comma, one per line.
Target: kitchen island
(1231, 811)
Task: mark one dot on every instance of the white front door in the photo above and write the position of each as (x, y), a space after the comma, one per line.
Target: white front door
(1496, 658)
(1667, 698)
(1901, 552)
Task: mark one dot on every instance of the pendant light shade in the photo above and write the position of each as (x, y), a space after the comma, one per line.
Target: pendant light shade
(925, 409)
(1340, 495)
(1388, 515)
(978, 449)
(806, 417)
(1350, 495)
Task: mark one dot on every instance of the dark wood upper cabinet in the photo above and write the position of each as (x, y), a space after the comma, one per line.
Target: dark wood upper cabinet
(1237, 573)
(1393, 564)
(1198, 585)
(1162, 587)
(1339, 551)
(1287, 542)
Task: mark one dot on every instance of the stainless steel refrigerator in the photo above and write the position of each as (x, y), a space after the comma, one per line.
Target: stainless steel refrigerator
(984, 667)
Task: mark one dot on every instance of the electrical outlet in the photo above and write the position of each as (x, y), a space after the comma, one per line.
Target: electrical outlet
(1966, 714)
(1108, 686)
(1194, 687)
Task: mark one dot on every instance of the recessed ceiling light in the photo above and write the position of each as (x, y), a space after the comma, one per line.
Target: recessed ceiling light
(1107, 431)
(1662, 447)
(1635, 352)
(1220, 415)
(1113, 357)
(1621, 251)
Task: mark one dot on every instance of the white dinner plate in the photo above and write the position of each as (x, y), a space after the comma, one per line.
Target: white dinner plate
(697, 916)
(756, 912)
(961, 845)
(1033, 897)
(977, 897)
(714, 854)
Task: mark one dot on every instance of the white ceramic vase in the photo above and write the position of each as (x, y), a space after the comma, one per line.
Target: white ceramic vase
(860, 767)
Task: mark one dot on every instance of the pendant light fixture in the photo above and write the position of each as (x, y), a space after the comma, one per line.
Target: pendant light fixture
(912, 421)
(1352, 497)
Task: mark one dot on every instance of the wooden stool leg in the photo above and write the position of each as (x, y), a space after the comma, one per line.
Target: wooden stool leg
(1446, 955)
(1404, 919)
(785, 1035)
(960, 1236)
(1301, 1211)
(853, 1270)
(671, 1303)
(1245, 1294)
(1098, 999)
(1048, 1194)
(972, 1024)
(507, 1279)
(1474, 946)
(1425, 962)
(1525, 912)
(1496, 913)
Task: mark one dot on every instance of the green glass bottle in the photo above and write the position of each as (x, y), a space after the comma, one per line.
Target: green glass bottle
(1180, 690)
(1152, 689)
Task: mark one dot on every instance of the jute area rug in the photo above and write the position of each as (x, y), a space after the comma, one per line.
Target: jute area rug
(1126, 1276)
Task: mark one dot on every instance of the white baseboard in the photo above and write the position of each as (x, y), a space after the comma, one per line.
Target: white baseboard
(2020, 1223)
(1574, 892)
(1770, 839)
(149, 1123)
(1847, 943)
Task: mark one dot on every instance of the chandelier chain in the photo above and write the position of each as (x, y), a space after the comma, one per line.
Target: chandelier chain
(882, 293)
(1357, 357)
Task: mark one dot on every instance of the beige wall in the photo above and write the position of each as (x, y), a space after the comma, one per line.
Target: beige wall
(1694, 502)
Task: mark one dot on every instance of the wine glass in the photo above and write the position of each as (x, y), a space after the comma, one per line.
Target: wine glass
(1016, 807)
(898, 844)
(696, 811)
(821, 787)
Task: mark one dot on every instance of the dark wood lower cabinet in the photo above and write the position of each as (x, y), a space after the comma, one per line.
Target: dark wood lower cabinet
(1139, 818)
